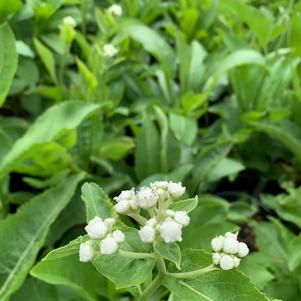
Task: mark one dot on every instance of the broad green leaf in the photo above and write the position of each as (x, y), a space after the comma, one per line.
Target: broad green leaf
(212, 286)
(70, 272)
(8, 7)
(49, 126)
(26, 230)
(116, 148)
(96, 201)
(23, 49)
(185, 205)
(184, 128)
(294, 254)
(8, 58)
(147, 154)
(153, 43)
(47, 58)
(170, 252)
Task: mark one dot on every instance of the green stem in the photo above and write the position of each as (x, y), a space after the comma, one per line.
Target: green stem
(138, 218)
(154, 285)
(193, 274)
(135, 254)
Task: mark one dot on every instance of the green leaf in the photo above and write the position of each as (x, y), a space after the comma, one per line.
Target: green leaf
(116, 148)
(294, 254)
(24, 239)
(8, 7)
(212, 286)
(8, 58)
(185, 205)
(70, 272)
(48, 127)
(184, 128)
(47, 58)
(96, 201)
(147, 154)
(170, 252)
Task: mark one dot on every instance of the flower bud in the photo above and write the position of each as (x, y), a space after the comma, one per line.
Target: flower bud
(115, 9)
(236, 261)
(69, 21)
(171, 231)
(159, 185)
(122, 206)
(86, 251)
(175, 189)
(231, 235)
(217, 243)
(110, 221)
(230, 245)
(118, 236)
(243, 249)
(146, 198)
(109, 50)
(152, 222)
(96, 228)
(125, 195)
(226, 262)
(216, 257)
(108, 246)
(182, 218)
(170, 213)
(147, 234)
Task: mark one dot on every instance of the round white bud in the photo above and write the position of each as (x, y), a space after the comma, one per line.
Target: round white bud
(115, 9)
(226, 262)
(122, 206)
(133, 204)
(147, 234)
(69, 21)
(230, 246)
(171, 231)
(170, 213)
(182, 218)
(125, 195)
(175, 189)
(108, 246)
(110, 221)
(118, 236)
(86, 251)
(147, 198)
(217, 244)
(236, 261)
(243, 249)
(109, 50)
(231, 235)
(216, 257)
(96, 228)
(152, 222)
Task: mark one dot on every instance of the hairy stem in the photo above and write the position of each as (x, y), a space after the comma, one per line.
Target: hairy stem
(193, 274)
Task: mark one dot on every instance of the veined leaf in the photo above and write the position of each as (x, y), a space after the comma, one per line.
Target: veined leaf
(49, 126)
(96, 201)
(26, 230)
(8, 59)
(170, 252)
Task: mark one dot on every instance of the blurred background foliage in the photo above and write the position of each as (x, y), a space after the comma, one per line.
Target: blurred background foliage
(206, 92)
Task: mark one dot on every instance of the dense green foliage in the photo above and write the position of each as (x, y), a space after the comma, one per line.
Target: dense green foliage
(206, 92)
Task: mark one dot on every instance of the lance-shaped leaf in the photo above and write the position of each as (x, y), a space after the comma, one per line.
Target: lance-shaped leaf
(25, 232)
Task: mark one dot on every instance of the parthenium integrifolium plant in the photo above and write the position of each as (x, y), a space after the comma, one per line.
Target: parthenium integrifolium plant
(160, 223)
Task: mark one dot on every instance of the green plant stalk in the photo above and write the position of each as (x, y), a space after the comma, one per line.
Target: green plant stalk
(193, 274)
(135, 254)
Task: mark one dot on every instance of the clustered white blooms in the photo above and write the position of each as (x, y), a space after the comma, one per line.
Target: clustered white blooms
(109, 50)
(69, 21)
(164, 223)
(104, 239)
(228, 251)
(115, 9)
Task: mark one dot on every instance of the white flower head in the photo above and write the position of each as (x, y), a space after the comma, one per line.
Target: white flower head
(243, 250)
(110, 222)
(96, 228)
(109, 50)
(69, 21)
(216, 258)
(182, 218)
(147, 198)
(176, 189)
(115, 9)
(217, 243)
(230, 245)
(159, 185)
(122, 206)
(226, 262)
(86, 251)
(171, 231)
(147, 234)
(118, 236)
(108, 246)
(125, 195)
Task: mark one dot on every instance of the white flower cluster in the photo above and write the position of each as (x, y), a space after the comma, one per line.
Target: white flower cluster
(103, 236)
(228, 251)
(109, 50)
(69, 21)
(169, 227)
(115, 9)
